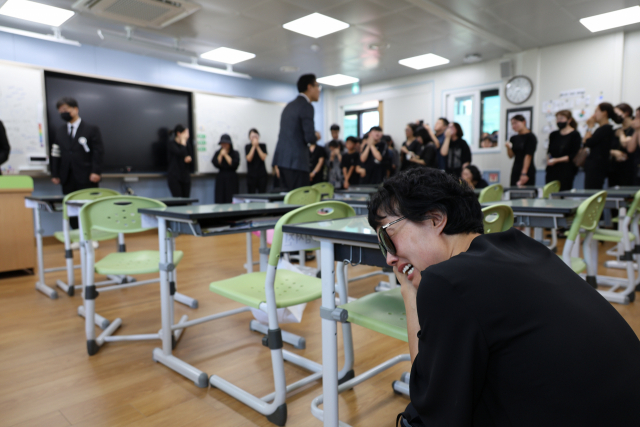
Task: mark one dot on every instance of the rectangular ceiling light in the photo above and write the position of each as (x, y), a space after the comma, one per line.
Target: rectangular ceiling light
(315, 25)
(337, 80)
(36, 12)
(424, 61)
(227, 55)
(617, 18)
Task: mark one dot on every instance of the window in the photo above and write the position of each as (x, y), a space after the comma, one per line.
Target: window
(357, 123)
(478, 113)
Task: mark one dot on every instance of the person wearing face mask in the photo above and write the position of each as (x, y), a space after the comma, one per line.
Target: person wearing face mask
(76, 152)
(564, 144)
(227, 160)
(599, 142)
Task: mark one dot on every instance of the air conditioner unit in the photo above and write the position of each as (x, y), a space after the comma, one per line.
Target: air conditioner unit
(139, 13)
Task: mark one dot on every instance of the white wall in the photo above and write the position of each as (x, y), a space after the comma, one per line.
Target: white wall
(607, 65)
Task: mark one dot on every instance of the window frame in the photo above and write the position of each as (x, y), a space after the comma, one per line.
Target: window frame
(359, 114)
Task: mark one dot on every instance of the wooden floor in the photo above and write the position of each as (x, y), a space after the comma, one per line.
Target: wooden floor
(47, 378)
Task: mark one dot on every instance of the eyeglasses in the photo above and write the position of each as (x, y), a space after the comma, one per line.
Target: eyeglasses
(384, 241)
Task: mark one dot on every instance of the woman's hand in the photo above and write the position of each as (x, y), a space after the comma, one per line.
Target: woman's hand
(509, 145)
(551, 161)
(523, 180)
(188, 159)
(591, 121)
(405, 284)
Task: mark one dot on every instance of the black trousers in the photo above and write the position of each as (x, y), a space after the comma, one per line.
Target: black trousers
(409, 418)
(594, 179)
(179, 188)
(290, 179)
(72, 185)
(257, 184)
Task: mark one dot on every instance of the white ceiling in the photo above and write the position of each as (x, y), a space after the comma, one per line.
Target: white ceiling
(449, 28)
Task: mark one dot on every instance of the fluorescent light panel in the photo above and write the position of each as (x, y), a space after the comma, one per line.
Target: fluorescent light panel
(227, 55)
(337, 80)
(315, 25)
(36, 12)
(617, 18)
(424, 61)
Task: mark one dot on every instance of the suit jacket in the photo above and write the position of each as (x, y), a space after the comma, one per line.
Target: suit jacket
(297, 130)
(69, 159)
(5, 148)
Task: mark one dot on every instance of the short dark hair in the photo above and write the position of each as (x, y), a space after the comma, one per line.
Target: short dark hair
(444, 120)
(519, 117)
(378, 128)
(459, 132)
(475, 173)
(335, 144)
(254, 130)
(423, 134)
(352, 139)
(334, 127)
(71, 102)
(304, 81)
(419, 192)
(177, 129)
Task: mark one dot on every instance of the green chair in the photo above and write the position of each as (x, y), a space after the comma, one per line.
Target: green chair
(117, 214)
(585, 221)
(550, 188)
(497, 218)
(620, 290)
(69, 236)
(16, 182)
(326, 189)
(302, 196)
(492, 193)
(268, 291)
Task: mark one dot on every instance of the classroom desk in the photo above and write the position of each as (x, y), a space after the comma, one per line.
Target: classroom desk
(348, 240)
(260, 198)
(542, 213)
(530, 192)
(358, 202)
(53, 204)
(357, 190)
(202, 221)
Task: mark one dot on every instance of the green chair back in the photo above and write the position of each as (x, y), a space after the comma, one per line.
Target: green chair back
(302, 196)
(588, 214)
(497, 218)
(550, 188)
(492, 193)
(16, 182)
(634, 208)
(87, 194)
(117, 214)
(325, 188)
(322, 211)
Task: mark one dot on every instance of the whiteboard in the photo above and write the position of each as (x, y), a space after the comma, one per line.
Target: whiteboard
(22, 113)
(216, 115)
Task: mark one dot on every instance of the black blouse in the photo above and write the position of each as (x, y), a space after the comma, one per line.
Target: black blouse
(600, 144)
(256, 167)
(177, 168)
(505, 343)
(224, 166)
(564, 145)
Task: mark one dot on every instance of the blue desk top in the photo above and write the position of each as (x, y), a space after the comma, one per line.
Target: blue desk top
(551, 206)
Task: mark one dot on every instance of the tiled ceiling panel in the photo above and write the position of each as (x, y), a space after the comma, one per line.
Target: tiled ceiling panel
(381, 32)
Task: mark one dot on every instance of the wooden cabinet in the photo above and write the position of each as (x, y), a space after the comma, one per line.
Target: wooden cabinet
(17, 242)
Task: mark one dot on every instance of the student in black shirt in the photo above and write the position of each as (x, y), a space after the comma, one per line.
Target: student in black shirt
(523, 147)
(227, 161)
(372, 153)
(455, 150)
(473, 177)
(622, 168)
(411, 145)
(179, 160)
(599, 144)
(5, 148)
(427, 150)
(256, 154)
(350, 163)
(501, 331)
(335, 136)
(564, 144)
(317, 158)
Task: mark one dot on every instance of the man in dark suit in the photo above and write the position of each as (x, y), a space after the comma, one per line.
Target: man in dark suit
(5, 148)
(76, 152)
(297, 131)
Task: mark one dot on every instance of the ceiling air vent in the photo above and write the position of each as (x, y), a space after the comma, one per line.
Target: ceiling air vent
(139, 13)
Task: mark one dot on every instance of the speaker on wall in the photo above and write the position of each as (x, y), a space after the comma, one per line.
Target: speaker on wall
(506, 69)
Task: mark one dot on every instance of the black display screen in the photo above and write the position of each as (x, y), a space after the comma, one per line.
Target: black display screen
(134, 120)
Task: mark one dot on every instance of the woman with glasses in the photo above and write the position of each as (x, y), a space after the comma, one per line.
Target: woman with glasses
(501, 331)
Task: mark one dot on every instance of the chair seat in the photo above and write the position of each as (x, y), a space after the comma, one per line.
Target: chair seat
(96, 235)
(577, 265)
(610, 235)
(291, 288)
(126, 263)
(382, 312)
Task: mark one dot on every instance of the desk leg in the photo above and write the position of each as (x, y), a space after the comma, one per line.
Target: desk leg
(329, 339)
(40, 284)
(264, 251)
(68, 287)
(164, 355)
(249, 264)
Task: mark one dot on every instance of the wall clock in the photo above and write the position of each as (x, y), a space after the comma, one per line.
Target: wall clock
(519, 89)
